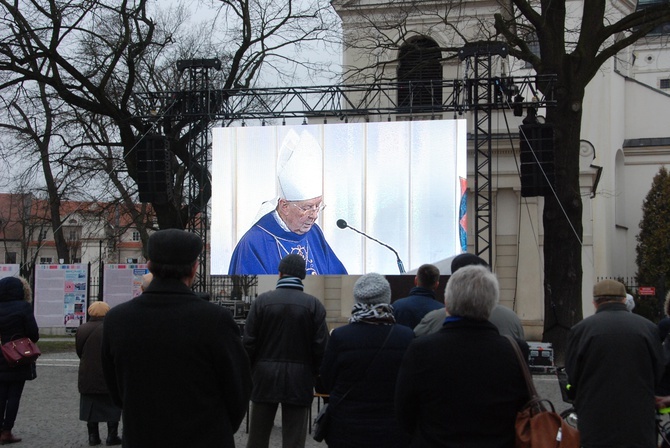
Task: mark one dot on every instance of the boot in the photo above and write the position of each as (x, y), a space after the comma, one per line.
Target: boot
(93, 434)
(7, 437)
(113, 434)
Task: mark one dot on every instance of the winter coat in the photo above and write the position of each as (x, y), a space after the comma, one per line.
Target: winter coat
(354, 357)
(176, 366)
(88, 343)
(410, 310)
(285, 336)
(461, 387)
(16, 321)
(614, 360)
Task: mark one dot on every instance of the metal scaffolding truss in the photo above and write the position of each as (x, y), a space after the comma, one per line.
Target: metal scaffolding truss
(330, 101)
(479, 93)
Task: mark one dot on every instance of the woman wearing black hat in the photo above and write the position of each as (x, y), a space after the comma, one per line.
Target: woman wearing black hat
(360, 368)
(16, 321)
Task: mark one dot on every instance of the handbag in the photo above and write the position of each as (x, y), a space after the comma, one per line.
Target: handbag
(322, 419)
(537, 423)
(321, 424)
(20, 351)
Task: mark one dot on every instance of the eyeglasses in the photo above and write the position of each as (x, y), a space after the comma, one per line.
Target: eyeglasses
(305, 209)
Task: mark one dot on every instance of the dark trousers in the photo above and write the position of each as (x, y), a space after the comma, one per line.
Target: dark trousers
(294, 425)
(10, 397)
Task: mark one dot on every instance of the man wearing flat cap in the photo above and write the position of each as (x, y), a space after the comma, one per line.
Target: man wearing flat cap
(290, 228)
(173, 362)
(285, 336)
(614, 361)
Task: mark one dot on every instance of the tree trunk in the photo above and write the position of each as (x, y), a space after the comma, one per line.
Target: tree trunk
(562, 219)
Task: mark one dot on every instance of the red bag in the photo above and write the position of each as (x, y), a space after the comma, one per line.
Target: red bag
(21, 351)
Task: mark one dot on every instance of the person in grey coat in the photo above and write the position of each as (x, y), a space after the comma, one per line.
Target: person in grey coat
(614, 361)
(505, 319)
(16, 321)
(285, 336)
(95, 403)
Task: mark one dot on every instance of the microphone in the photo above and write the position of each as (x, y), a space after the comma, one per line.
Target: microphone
(342, 224)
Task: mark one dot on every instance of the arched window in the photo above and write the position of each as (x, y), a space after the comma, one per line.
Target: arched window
(419, 62)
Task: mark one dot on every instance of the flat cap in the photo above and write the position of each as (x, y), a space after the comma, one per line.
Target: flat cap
(609, 288)
(174, 246)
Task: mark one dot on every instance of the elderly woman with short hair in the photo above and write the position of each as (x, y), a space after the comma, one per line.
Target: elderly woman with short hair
(462, 386)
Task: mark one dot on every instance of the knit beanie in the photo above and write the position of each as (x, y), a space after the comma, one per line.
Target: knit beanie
(293, 265)
(372, 289)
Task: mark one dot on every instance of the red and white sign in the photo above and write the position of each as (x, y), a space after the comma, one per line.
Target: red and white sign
(646, 291)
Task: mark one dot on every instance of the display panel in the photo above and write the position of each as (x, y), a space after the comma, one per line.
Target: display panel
(401, 183)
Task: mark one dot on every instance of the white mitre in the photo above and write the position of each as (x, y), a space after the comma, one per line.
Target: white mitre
(300, 167)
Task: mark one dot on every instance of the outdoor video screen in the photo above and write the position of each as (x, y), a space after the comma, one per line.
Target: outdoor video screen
(311, 190)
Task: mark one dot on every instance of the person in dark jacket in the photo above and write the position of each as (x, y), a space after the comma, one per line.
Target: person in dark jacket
(16, 321)
(173, 362)
(410, 310)
(360, 368)
(95, 404)
(614, 361)
(285, 335)
(462, 386)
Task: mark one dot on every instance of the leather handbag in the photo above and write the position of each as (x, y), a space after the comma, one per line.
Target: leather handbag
(537, 423)
(20, 351)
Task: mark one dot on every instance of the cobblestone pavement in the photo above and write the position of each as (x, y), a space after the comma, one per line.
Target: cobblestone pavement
(49, 412)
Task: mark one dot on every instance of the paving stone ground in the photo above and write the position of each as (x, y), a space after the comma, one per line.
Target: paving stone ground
(49, 412)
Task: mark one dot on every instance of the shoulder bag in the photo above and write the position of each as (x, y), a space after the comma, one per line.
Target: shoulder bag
(537, 423)
(322, 419)
(20, 351)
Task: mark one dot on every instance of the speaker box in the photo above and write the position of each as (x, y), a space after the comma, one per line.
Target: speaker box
(537, 159)
(154, 177)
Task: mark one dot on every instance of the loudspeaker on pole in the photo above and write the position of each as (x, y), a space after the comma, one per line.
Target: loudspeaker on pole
(537, 159)
(154, 177)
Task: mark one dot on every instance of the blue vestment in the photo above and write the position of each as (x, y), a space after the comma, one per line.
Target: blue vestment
(266, 243)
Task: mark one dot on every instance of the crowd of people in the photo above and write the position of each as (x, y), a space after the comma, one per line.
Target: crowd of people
(423, 371)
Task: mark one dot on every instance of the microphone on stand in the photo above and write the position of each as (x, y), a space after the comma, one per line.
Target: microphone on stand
(342, 224)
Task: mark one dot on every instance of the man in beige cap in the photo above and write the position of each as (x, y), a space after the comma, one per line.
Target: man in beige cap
(614, 361)
(290, 226)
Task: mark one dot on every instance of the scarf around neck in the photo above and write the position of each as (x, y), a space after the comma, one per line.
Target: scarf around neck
(290, 282)
(376, 314)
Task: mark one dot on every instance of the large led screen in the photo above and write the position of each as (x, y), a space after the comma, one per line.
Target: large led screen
(315, 190)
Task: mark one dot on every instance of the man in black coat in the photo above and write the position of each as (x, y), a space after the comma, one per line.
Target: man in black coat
(614, 360)
(285, 336)
(174, 362)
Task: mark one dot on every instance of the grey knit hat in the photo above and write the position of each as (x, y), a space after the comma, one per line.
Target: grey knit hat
(293, 265)
(372, 289)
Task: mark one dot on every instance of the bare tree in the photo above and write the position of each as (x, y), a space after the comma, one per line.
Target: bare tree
(572, 47)
(98, 57)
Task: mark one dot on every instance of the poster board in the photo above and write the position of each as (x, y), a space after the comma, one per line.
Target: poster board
(61, 291)
(9, 270)
(122, 282)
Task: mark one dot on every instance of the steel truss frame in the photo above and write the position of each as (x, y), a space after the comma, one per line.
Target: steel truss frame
(480, 94)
